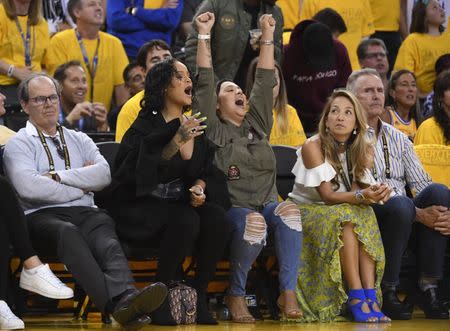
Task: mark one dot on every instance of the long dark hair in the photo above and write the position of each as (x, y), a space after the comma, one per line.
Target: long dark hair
(157, 81)
(414, 112)
(441, 85)
(418, 18)
(280, 105)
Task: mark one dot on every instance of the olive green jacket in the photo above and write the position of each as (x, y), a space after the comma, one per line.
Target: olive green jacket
(243, 153)
(230, 35)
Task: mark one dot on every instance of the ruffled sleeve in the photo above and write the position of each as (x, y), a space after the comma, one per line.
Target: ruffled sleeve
(368, 178)
(314, 176)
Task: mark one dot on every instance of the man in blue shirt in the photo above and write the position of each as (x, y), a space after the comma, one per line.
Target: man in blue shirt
(134, 23)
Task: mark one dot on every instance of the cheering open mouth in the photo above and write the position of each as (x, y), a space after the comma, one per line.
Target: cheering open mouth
(240, 102)
(188, 90)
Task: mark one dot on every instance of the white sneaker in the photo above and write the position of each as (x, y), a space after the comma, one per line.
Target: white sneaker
(9, 321)
(42, 281)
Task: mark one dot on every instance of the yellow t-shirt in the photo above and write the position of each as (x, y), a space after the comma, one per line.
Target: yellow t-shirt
(127, 115)
(295, 135)
(289, 8)
(5, 134)
(418, 53)
(12, 50)
(386, 14)
(112, 60)
(430, 132)
(436, 161)
(357, 15)
(286, 37)
(408, 128)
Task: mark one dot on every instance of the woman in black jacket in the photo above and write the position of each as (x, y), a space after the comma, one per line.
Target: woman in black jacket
(165, 187)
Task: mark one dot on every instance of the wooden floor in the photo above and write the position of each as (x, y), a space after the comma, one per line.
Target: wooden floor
(62, 322)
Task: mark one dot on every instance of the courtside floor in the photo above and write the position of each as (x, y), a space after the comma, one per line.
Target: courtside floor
(65, 322)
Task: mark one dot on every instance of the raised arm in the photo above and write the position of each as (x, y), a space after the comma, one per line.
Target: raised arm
(261, 97)
(205, 100)
(191, 42)
(204, 23)
(266, 60)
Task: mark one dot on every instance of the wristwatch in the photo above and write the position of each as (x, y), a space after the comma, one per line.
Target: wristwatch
(55, 177)
(359, 196)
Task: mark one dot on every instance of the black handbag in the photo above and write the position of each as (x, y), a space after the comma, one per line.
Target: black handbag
(179, 307)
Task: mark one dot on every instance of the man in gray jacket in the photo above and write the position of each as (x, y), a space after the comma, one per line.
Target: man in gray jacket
(54, 171)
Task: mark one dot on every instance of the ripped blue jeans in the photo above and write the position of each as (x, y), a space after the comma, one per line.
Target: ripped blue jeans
(249, 233)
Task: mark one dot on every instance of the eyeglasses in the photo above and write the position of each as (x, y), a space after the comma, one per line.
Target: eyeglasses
(59, 148)
(41, 100)
(375, 55)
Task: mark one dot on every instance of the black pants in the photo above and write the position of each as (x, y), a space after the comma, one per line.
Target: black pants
(180, 230)
(428, 244)
(85, 241)
(13, 231)
(396, 219)
(392, 40)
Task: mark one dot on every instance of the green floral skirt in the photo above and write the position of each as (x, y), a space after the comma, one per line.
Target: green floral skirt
(321, 291)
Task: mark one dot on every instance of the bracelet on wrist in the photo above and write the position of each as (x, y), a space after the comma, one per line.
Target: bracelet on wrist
(204, 36)
(266, 42)
(10, 70)
(359, 196)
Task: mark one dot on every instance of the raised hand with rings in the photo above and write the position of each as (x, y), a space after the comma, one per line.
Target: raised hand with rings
(191, 127)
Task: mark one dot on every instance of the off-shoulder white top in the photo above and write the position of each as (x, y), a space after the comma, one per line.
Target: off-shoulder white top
(307, 180)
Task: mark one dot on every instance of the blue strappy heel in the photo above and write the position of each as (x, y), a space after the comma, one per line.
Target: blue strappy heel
(358, 314)
(371, 299)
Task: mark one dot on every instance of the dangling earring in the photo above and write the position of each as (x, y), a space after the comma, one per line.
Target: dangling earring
(326, 129)
(440, 104)
(354, 131)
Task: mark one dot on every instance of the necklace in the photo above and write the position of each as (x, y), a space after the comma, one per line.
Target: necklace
(347, 181)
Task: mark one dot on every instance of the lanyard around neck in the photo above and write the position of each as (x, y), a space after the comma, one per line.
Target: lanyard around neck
(51, 163)
(387, 164)
(347, 182)
(92, 69)
(26, 39)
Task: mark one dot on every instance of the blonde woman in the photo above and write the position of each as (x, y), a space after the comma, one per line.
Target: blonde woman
(333, 190)
(287, 128)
